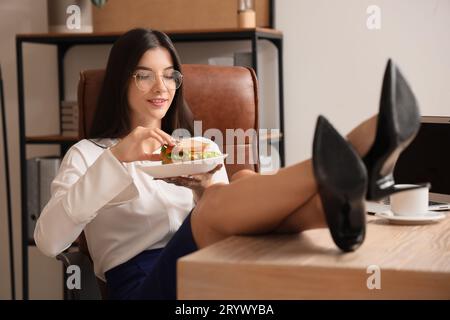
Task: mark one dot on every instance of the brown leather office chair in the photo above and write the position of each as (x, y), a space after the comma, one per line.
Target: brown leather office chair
(221, 97)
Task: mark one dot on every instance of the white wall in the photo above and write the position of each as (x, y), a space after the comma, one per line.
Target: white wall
(333, 64)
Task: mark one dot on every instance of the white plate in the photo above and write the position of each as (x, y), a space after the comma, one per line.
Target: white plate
(428, 217)
(158, 170)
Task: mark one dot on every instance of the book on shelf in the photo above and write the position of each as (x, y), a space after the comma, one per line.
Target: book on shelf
(69, 103)
(69, 118)
(69, 107)
(40, 173)
(33, 198)
(69, 126)
(69, 111)
(66, 118)
(70, 133)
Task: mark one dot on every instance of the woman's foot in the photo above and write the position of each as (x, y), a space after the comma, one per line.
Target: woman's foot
(342, 184)
(397, 125)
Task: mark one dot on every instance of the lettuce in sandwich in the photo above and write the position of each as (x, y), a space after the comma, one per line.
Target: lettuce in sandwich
(187, 149)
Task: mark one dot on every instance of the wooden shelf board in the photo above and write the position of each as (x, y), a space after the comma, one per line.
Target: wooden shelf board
(51, 139)
(168, 32)
(271, 136)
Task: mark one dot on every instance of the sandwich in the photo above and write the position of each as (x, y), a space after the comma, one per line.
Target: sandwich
(188, 149)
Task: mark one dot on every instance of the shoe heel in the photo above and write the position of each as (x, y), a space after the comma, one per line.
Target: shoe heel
(398, 124)
(342, 183)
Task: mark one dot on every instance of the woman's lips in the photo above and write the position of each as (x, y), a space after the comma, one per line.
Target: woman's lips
(157, 102)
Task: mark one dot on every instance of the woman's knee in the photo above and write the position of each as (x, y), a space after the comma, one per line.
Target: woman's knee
(242, 174)
(204, 221)
(210, 202)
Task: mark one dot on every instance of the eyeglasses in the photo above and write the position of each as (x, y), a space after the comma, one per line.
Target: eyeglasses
(145, 80)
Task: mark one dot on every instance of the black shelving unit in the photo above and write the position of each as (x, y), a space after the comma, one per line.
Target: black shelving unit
(64, 42)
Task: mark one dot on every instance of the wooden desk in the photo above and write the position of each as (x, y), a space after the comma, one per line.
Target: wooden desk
(414, 263)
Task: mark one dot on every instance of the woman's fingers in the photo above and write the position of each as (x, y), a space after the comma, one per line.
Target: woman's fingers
(182, 181)
(157, 134)
(140, 144)
(163, 137)
(146, 133)
(154, 157)
(167, 137)
(206, 175)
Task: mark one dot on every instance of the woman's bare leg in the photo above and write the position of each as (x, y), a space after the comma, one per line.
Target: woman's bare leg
(363, 136)
(306, 217)
(260, 203)
(252, 205)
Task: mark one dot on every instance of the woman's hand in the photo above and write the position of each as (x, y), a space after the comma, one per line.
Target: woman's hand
(197, 182)
(140, 144)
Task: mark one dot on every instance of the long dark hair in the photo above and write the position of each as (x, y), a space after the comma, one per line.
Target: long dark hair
(112, 116)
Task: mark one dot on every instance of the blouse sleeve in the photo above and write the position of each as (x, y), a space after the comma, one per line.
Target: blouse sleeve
(77, 193)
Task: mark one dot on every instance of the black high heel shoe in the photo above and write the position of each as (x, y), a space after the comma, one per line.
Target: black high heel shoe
(342, 182)
(398, 124)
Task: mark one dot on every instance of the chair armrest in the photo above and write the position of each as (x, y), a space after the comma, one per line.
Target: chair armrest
(89, 289)
(70, 258)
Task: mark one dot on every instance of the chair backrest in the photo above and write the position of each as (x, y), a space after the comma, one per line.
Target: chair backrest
(221, 97)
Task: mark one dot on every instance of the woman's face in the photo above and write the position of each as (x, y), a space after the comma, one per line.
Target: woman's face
(150, 93)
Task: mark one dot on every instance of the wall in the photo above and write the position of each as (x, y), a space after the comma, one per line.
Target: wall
(333, 65)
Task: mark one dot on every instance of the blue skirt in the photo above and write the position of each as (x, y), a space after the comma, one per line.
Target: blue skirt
(152, 273)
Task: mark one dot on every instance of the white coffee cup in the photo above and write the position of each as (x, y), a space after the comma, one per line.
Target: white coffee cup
(412, 202)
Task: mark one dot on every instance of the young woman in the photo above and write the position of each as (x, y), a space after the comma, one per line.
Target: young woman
(137, 227)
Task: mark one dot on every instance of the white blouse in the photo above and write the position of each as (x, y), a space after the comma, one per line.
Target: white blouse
(121, 209)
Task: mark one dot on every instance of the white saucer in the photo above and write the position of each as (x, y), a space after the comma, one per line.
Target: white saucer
(428, 217)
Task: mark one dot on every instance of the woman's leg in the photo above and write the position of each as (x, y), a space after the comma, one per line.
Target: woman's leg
(251, 205)
(306, 217)
(310, 215)
(260, 203)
